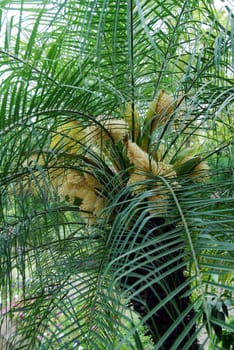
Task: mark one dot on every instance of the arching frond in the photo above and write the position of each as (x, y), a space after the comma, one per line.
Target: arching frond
(116, 175)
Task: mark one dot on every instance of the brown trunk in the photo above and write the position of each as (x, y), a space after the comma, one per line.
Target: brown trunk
(149, 297)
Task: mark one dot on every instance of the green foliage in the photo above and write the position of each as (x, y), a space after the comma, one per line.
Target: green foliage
(69, 61)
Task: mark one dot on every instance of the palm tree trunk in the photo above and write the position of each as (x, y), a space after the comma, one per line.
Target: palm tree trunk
(149, 297)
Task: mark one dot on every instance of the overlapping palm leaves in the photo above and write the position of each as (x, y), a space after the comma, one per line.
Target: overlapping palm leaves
(88, 162)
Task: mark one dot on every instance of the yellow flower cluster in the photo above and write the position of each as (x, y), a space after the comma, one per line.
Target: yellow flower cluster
(200, 173)
(69, 183)
(86, 188)
(164, 108)
(141, 161)
(160, 109)
(106, 129)
(146, 168)
(148, 172)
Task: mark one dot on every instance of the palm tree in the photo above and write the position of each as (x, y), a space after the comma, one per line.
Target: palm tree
(116, 174)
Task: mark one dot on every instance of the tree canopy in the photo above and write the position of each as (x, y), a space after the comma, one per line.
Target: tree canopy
(115, 117)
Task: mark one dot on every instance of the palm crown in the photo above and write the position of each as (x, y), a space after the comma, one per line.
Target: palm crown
(116, 181)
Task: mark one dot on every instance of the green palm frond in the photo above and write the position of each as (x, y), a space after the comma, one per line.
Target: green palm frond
(116, 175)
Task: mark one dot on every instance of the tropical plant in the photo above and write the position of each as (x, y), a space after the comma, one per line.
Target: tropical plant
(116, 174)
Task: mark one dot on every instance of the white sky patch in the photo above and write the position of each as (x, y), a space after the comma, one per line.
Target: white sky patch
(28, 17)
(220, 4)
(14, 13)
(11, 15)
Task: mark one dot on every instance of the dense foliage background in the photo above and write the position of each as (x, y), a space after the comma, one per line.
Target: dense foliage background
(85, 61)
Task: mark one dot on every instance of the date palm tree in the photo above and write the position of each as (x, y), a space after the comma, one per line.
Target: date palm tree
(116, 175)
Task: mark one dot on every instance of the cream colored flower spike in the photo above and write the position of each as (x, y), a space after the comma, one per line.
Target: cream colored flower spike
(72, 186)
(116, 128)
(165, 104)
(137, 156)
(200, 173)
(163, 109)
(141, 160)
